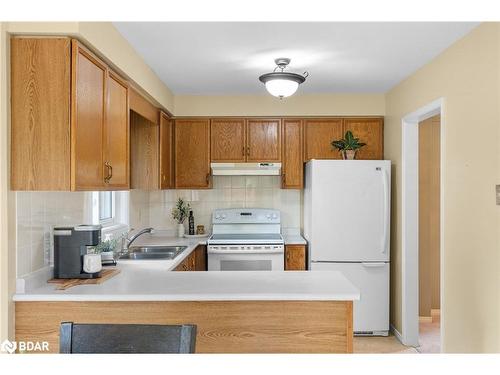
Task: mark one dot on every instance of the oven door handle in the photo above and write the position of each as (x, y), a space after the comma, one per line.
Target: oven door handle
(268, 251)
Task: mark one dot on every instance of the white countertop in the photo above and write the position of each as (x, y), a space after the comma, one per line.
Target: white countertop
(294, 239)
(150, 280)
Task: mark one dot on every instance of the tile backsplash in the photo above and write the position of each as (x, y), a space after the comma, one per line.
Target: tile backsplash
(227, 192)
(39, 212)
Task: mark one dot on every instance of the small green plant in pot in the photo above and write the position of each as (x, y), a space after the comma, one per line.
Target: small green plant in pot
(179, 213)
(348, 146)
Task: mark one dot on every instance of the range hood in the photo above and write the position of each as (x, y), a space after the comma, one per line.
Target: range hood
(246, 169)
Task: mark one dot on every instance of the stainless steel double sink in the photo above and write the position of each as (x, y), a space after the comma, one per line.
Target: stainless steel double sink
(153, 252)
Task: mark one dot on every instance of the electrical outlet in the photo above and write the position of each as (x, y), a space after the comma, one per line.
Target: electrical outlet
(498, 194)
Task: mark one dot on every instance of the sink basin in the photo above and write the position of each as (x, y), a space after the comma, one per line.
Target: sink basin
(153, 252)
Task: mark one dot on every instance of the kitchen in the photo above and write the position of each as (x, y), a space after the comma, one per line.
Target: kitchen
(251, 225)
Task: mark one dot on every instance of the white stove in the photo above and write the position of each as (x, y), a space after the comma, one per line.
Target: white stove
(246, 239)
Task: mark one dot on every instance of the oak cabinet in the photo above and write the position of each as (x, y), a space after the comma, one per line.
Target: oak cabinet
(263, 140)
(192, 153)
(228, 140)
(292, 166)
(295, 258)
(117, 134)
(166, 152)
(196, 261)
(369, 131)
(318, 135)
(70, 125)
(144, 151)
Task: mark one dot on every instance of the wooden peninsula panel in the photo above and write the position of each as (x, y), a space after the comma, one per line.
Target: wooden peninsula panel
(222, 326)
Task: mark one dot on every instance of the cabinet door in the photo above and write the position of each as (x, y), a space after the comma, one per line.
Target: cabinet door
(144, 153)
(40, 116)
(227, 140)
(319, 134)
(295, 257)
(116, 135)
(293, 166)
(263, 140)
(201, 258)
(369, 131)
(166, 152)
(89, 76)
(192, 153)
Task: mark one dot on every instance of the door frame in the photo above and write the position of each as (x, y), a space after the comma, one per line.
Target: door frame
(410, 208)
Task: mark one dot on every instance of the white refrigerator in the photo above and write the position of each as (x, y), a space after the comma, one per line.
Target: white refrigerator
(347, 226)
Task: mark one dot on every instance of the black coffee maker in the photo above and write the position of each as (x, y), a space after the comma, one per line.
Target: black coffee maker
(70, 246)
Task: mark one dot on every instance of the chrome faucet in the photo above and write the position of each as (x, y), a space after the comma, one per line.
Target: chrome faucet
(126, 241)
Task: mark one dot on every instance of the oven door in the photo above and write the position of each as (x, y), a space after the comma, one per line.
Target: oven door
(245, 257)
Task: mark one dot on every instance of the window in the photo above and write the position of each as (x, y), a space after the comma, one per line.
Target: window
(106, 207)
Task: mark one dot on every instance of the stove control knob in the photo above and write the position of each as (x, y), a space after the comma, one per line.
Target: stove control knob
(217, 217)
(268, 216)
(223, 216)
(275, 216)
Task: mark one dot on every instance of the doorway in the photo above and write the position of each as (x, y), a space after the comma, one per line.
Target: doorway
(429, 166)
(410, 222)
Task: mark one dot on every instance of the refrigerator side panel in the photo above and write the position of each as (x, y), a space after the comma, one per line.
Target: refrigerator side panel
(308, 212)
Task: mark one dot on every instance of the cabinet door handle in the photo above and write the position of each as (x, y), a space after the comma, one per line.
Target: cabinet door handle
(243, 151)
(283, 179)
(248, 151)
(109, 172)
(208, 179)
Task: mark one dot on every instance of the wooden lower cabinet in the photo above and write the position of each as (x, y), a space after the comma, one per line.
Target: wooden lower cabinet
(196, 261)
(295, 258)
(222, 326)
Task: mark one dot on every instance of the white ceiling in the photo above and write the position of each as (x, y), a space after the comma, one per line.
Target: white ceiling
(227, 58)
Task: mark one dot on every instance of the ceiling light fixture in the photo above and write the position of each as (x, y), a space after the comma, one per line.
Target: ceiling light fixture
(282, 84)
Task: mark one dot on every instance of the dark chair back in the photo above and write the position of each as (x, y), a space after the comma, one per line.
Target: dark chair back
(126, 338)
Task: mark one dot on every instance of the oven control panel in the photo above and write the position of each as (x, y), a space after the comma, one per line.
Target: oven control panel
(246, 216)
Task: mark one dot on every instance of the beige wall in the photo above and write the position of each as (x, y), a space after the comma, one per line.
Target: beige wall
(105, 39)
(267, 105)
(467, 76)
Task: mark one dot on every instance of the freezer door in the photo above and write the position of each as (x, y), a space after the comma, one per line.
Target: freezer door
(371, 312)
(347, 217)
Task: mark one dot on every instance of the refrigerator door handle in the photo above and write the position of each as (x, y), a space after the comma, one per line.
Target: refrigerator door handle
(385, 184)
(374, 264)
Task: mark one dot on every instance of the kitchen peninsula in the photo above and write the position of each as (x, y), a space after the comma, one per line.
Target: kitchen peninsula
(235, 311)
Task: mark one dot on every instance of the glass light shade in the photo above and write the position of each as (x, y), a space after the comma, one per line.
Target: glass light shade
(281, 87)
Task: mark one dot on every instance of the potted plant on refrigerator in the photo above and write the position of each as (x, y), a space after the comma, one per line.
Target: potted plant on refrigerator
(179, 213)
(348, 146)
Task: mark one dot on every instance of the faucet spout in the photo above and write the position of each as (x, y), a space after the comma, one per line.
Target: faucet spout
(128, 241)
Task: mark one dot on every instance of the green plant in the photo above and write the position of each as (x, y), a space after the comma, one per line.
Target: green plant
(348, 143)
(181, 211)
(106, 246)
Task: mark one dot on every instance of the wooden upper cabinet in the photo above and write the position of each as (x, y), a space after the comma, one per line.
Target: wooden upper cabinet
(293, 166)
(227, 140)
(192, 153)
(166, 152)
(40, 115)
(318, 136)
(89, 76)
(263, 140)
(144, 153)
(116, 135)
(369, 131)
(69, 118)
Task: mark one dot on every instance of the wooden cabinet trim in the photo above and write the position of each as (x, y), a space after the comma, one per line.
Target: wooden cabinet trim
(289, 169)
(142, 106)
(166, 161)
